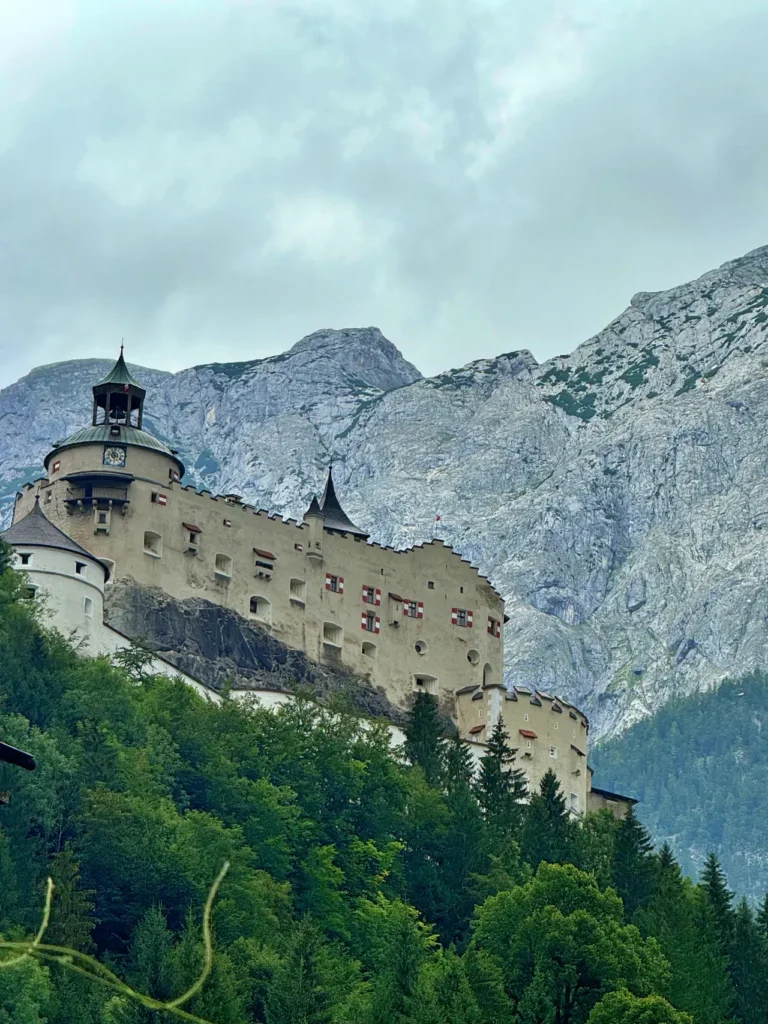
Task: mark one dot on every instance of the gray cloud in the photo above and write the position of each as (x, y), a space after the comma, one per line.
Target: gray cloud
(214, 179)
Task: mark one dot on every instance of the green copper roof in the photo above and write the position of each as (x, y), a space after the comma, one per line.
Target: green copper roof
(120, 374)
(103, 434)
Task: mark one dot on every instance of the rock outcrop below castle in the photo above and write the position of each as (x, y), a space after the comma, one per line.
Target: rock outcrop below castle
(223, 649)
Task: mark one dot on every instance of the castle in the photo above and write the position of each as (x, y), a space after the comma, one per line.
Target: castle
(113, 506)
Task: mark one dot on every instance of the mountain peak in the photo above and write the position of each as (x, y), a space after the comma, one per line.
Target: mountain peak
(363, 352)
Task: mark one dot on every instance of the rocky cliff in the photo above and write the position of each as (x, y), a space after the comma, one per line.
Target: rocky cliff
(222, 649)
(617, 496)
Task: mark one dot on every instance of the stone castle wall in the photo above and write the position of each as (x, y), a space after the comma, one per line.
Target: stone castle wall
(303, 584)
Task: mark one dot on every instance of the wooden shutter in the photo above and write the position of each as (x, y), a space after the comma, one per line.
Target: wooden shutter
(454, 615)
(420, 612)
(470, 613)
(378, 597)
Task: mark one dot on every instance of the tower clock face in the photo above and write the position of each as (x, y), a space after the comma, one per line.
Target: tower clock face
(114, 455)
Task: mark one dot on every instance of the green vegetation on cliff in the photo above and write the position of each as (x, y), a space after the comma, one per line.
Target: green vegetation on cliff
(361, 889)
(699, 767)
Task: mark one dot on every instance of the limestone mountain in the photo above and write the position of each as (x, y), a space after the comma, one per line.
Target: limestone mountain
(617, 496)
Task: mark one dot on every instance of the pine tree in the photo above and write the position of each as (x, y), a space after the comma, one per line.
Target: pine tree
(762, 918)
(678, 918)
(502, 788)
(634, 867)
(423, 736)
(548, 832)
(72, 914)
(297, 993)
(748, 968)
(715, 888)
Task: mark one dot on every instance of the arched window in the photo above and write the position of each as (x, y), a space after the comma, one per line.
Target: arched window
(370, 650)
(261, 610)
(153, 544)
(223, 568)
(487, 674)
(332, 634)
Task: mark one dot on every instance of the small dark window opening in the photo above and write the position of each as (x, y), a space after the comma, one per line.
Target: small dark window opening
(461, 590)
(153, 497)
(264, 565)
(333, 584)
(370, 622)
(370, 595)
(79, 568)
(431, 584)
(25, 558)
(102, 517)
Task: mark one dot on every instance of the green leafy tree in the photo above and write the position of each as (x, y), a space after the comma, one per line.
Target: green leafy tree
(558, 945)
(624, 1008)
(423, 736)
(548, 832)
(501, 788)
(25, 994)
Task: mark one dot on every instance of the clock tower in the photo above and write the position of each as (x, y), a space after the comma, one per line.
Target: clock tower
(119, 398)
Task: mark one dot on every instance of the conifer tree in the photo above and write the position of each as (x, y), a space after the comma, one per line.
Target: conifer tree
(634, 867)
(548, 832)
(502, 788)
(762, 918)
(699, 982)
(715, 888)
(748, 968)
(423, 736)
(297, 993)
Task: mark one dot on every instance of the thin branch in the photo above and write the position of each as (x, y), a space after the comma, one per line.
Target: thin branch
(89, 967)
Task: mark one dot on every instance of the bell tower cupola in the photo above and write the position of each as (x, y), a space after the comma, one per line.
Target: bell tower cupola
(119, 398)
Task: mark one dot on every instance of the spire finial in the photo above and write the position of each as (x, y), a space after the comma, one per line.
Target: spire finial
(122, 346)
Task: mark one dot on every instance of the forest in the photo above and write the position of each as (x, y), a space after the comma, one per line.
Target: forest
(699, 768)
(365, 885)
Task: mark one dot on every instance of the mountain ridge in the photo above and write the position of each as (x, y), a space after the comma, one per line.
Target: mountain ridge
(615, 495)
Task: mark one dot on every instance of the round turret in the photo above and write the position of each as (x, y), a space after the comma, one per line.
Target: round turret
(70, 579)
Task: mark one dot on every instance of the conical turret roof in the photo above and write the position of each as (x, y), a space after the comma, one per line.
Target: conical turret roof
(335, 516)
(36, 530)
(314, 508)
(120, 375)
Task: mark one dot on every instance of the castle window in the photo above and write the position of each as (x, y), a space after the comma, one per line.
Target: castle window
(25, 557)
(553, 752)
(413, 609)
(298, 590)
(48, 496)
(421, 647)
(334, 583)
(370, 650)
(426, 683)
(192, 537)
(223, 568)
(88, 607)
(111, 568)
(487, 674)
(261, 609)
(431, 585)
(153, 544)
(332, 634)
(371, 595)
(370, 622)
(298, 547)
(80, 568)
(525, 718)
(473, 657)
(28, 593)
(462, 617)
(575, 802)
(494, 627)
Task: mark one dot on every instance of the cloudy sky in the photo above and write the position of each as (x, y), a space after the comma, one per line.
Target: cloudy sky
(214, 179)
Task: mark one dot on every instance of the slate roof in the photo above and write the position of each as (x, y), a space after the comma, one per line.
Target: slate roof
(335, 516)
(36, 530)
(103, 433)
(120, 374)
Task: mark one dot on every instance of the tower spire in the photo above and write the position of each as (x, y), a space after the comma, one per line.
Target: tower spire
(118, 399)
